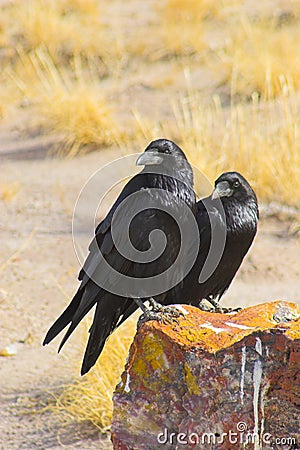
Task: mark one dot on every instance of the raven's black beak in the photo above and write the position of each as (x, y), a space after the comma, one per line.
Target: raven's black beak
(222, 189)
(149, 158)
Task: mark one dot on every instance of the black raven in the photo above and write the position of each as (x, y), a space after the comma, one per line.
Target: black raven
(230, 214)
(227, 223)
(154, 199)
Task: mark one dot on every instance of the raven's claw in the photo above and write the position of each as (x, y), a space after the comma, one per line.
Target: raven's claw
(161, 313)
(223, 310)
(149, 315)
(214, 307)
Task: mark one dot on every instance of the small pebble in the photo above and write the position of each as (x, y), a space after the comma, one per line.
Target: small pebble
(9, 350)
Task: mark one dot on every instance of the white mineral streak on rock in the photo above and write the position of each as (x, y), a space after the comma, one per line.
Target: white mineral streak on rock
(237, 325)
(257, 377)
(242, 379)
(166, 362)
(126, 387)
(211, 327)
(181, 308)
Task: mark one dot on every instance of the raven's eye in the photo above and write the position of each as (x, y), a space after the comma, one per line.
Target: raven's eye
(236, 183)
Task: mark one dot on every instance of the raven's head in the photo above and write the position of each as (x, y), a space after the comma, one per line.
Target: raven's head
(232, 185)
(159, 152)
(165, 158)
(238, 200)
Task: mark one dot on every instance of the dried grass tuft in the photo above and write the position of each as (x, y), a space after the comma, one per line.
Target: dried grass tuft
(90, 397)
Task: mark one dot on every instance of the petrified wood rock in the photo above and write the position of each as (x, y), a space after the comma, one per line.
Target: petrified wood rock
(218, 381)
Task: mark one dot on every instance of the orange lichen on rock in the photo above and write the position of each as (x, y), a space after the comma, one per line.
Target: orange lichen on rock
(212, 332)
(205, 375)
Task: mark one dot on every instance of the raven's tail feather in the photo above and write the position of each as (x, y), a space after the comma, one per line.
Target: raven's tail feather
(82, 302)
(64, 319)
(107, 314)
(130, 308)
(88, 300)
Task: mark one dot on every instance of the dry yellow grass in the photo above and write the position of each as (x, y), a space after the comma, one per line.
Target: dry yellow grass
(3, 30)
(256, 48)
(183, 23)
(261, 56)
(66, 28)
(187, 17)
(90, 398)
(260, 140)
(43, 38)
(56, 54)
(9, 190)
(72, 105)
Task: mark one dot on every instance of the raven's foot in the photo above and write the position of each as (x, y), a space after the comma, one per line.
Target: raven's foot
(149, 315)
(169, 313)
(161, 313)
(205, 306)
(214, 307)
